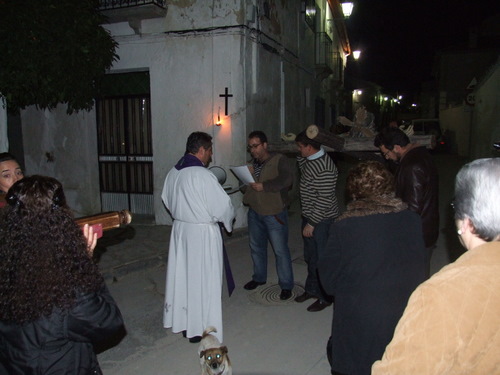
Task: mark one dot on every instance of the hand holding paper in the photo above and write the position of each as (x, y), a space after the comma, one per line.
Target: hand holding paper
(243, 174)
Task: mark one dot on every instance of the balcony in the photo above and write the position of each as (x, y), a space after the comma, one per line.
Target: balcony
(323, 53)
(132, 10)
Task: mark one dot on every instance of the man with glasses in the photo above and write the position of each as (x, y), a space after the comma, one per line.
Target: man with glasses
(267, 199)
(416, 179)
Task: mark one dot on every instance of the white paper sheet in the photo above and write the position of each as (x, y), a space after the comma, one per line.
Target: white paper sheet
(243, 174)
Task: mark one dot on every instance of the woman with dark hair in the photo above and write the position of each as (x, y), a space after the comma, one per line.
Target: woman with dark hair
(374, 259)
(54, 305)
(10, 172)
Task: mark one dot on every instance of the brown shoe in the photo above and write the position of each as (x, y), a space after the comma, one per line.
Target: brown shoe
(318, 306)
(303, 297)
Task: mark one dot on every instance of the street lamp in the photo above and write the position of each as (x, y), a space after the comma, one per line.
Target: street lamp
(347, 9)
(356, 54)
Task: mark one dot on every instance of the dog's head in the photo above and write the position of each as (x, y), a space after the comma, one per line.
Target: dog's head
(215, 359)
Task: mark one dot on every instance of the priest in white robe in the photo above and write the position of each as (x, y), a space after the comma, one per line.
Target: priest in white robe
(197, 203)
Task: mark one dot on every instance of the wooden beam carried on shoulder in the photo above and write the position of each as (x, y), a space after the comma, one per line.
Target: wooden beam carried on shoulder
(335, 142)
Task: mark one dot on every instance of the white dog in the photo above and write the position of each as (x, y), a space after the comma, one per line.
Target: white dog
(213, 356)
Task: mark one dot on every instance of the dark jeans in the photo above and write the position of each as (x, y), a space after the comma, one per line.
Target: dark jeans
(272, 228)
(314, 247)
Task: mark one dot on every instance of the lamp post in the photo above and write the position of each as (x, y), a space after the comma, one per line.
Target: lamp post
(347, 9)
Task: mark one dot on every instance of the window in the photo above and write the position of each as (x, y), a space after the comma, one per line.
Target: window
(311, 10)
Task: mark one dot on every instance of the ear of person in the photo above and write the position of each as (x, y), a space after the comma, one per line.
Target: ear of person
(466, 232)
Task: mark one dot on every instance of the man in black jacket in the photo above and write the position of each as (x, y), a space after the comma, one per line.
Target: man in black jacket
(416, 180)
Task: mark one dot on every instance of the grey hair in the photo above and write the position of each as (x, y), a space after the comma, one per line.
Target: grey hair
(477, 197)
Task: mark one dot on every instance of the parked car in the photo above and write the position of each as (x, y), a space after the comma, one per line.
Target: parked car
(430, 126)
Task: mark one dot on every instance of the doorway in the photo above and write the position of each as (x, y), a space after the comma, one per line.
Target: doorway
(125, 144)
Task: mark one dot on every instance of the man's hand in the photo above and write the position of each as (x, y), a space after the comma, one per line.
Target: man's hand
(257, 186)
(308, 230)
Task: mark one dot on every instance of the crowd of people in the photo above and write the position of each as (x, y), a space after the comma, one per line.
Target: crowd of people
(372, 261)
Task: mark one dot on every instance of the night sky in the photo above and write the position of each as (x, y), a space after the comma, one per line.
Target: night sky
(399, 38)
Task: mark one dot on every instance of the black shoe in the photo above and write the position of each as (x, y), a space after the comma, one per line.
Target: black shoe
(251, 285)
(318, 306)
(285, 294)
(303, 297)
(195, 339)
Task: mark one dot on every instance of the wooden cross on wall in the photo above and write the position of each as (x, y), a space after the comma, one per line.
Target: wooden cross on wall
(226, 96)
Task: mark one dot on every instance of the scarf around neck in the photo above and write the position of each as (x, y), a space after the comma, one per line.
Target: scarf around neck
(188, 160)
(384, 204)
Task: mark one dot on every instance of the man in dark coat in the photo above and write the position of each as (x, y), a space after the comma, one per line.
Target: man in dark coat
(416, 181)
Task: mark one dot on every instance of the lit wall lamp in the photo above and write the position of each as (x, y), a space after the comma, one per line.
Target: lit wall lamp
(356, 54)
(310, 11)
(347, 9)
(218, 123)
(359, 92)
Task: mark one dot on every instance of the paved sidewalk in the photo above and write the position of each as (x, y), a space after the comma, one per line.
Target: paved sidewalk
(265, 336)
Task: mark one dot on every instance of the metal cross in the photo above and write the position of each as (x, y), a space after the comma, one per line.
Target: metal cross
(226, 96)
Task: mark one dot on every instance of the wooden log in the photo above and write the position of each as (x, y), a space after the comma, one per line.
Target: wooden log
(325, 137)
(351, 144)
(366, 143)
(346, 143)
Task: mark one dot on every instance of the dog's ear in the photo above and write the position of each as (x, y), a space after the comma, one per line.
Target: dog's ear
(202, 353)
(223, 349)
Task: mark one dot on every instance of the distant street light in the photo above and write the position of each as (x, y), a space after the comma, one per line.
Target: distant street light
(347, 9)
(356, 54)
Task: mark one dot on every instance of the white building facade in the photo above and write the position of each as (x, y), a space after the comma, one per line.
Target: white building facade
(270, 65)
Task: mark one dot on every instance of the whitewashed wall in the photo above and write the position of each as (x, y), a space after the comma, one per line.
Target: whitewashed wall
(4, 141)
(64, 147)
(188, 71)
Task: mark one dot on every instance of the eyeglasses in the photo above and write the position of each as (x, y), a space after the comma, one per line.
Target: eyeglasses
(386, 153)
(255, 145)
